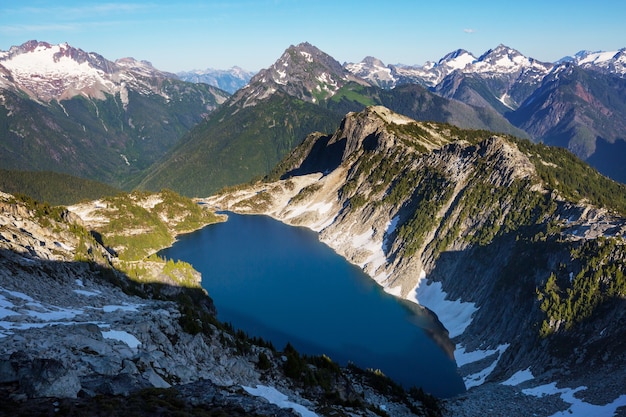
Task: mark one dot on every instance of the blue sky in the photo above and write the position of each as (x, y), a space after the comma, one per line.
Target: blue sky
(184, 35)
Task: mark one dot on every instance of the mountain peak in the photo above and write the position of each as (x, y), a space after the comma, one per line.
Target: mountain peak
(302, 71)
(49, 72)
(59, 71)
(373, 70)
(499, 52)
(370, 60)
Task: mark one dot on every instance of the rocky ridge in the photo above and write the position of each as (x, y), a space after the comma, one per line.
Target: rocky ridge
(59, 72)
(302, 71)
(464, 224)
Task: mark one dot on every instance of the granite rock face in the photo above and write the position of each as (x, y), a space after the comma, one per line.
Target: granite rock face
(462, 225)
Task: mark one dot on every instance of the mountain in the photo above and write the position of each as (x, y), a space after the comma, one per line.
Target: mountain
(66, 110)
(609, 62)
(374, 71)
(516, 247)
(576, 103)
(583, 111)
(502, 77)
(229, 80)
(305, 90)
(257, 126)
(302, 71)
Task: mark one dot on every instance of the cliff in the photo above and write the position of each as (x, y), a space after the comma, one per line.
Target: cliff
(515, 247)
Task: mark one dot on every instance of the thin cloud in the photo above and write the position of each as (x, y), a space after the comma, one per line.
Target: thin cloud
(65, 12)
(469, 30)
(18, 29)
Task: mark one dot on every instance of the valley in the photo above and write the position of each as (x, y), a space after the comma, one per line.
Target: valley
(459, 186)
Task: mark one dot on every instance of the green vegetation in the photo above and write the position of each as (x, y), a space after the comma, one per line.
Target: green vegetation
(53, 188)
(233, 146)
(148, 402)
(133, 231)
(136, 230)
(574, 179)
(432, 189)
(43, 212)
(568, 298)
(500, 210)
(102, 140)
(180, 272)
(259, 202)
(182, 213)
(323, 372)
(382, 383)
(306, 192)
(353, 97)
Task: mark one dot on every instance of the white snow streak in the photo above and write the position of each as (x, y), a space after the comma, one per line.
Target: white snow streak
(454, 315)
(479, 377)
(519, 377)
(122, 336)
(274, 396)
(578, 407)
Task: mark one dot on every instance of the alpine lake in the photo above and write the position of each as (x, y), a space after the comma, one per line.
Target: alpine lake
(280, 283)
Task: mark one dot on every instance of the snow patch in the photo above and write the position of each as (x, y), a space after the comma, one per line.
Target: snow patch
(454, 315)
(362, 239)
(19, 295)
(125, 307)
(122, 336)
(307, 56)
(578, 407)
(88, 293)
(276, 397)
(390, 228)
(395, 291)
(461, 61)
(479, 378)
(598, 57)
(519, 377)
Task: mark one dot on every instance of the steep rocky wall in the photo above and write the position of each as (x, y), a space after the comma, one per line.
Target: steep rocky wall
(465, 227)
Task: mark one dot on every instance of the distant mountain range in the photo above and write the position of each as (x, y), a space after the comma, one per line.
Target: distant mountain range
(66, 110)
(129, 124)
(305, 90)
(229, 80)
(578, 102)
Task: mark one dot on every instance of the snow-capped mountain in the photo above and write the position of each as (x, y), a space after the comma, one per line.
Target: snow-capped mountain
(498, 62)
(505, 60)
(611, 62)
(56, 72)
(375, 71)
(431, 73)
(229, 80)
(76, 112)
(501, 78)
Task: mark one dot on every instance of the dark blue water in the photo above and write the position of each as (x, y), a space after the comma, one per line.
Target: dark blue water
(280, 283)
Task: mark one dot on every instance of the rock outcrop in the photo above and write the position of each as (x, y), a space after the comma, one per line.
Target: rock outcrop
(471, 226)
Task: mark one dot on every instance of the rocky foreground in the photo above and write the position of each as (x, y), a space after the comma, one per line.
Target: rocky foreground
(77, 337)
